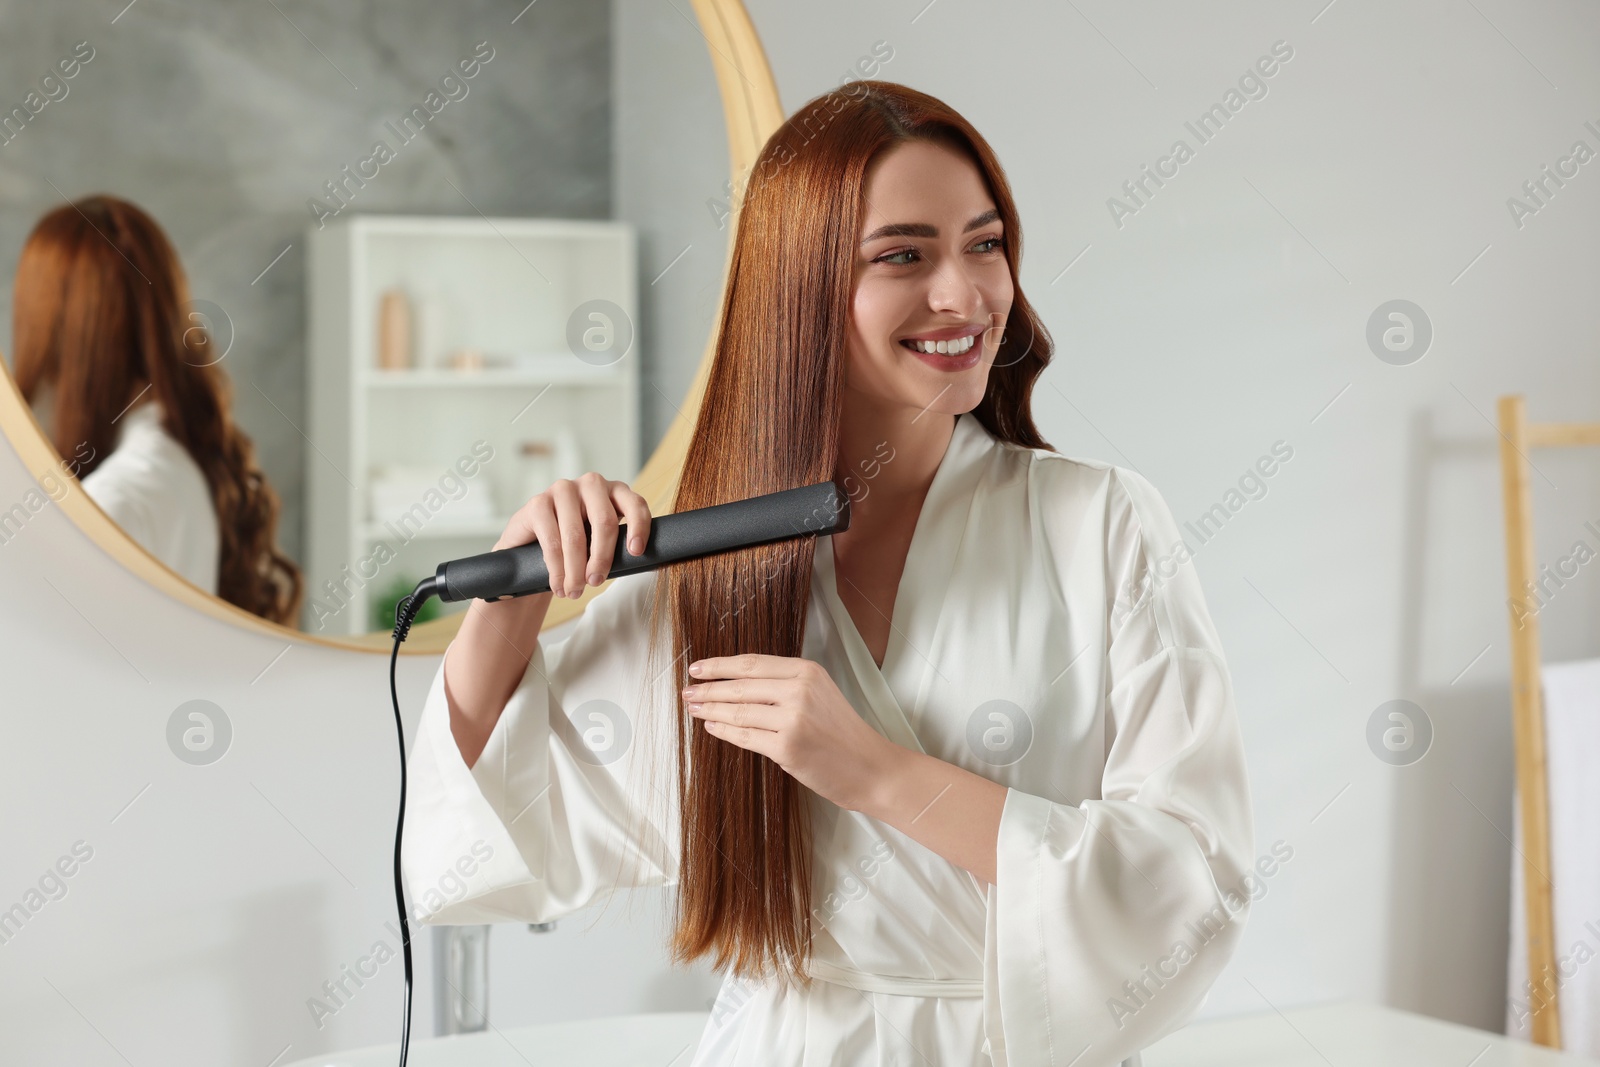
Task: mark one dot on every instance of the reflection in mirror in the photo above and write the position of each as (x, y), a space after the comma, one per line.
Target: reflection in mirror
(136, 400)
(414, 268)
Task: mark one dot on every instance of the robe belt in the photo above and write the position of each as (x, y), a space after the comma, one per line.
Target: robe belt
(869, 982)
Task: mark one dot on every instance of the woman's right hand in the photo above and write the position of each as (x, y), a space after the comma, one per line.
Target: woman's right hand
(555, 519)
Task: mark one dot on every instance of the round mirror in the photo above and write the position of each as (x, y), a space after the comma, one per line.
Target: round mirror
(417, 276)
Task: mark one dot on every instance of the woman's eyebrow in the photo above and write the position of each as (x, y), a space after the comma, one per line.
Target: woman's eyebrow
(923, 229)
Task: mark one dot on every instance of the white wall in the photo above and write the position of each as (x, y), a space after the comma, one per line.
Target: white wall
(1223, 317)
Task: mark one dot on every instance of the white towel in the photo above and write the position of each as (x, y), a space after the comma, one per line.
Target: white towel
(1572, 755)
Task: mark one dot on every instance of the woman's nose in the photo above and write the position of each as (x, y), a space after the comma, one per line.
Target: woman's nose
(953, 288)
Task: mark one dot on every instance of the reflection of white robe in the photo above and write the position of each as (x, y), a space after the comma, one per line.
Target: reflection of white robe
(151, 487)
(1043, 637)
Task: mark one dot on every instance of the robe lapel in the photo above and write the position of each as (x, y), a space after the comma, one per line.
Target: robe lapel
(909, 658)
(882, 710)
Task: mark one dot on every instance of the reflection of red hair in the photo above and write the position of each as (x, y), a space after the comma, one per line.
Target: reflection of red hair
(770, 420)
(97, 310)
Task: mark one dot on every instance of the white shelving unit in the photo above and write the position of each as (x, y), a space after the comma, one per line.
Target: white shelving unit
(512, 289)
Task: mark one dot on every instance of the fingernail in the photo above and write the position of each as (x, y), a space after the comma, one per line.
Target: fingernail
(596, 579)
(636, 545)
(695, 669)
(695, 708)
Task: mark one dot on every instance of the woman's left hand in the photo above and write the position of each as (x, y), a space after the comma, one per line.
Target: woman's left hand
(791, 711)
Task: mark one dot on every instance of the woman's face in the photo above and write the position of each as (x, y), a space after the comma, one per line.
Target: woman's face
(938, 275)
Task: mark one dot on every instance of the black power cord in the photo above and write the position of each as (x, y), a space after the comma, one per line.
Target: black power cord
(404, 613)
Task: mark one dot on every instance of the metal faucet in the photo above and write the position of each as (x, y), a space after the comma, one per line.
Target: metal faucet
(461, 977)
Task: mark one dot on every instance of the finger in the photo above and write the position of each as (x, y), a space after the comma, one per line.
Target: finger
(761, 741)
(602, 526)
(755, 716)
(535, 521)
(540, 516)
(574, 545)
(540, 519)
(749, 665)
(635, 511)
(740, 691)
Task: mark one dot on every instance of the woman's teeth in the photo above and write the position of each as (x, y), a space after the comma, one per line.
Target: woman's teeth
(943, 348)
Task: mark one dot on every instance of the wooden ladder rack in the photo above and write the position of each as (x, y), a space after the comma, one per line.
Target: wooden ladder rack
(1517, 437)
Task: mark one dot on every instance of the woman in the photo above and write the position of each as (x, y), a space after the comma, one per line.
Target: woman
(104, 354)
(953, 786)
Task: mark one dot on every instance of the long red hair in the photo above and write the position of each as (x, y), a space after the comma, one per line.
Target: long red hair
(98, 311)
(770, 420)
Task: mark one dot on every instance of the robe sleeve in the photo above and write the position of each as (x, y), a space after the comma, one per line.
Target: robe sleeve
(565, 803)
(1111, 918)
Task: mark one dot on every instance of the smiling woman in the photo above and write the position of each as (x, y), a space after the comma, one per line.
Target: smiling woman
(940, 792)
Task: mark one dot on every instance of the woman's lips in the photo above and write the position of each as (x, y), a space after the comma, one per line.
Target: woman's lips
(949, 333)
(965, 361)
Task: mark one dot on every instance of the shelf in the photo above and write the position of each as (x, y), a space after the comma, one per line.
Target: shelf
(439, 530)
(567, 372)
(506, 288)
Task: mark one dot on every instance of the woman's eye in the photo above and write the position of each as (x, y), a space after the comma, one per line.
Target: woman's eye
(893, 258)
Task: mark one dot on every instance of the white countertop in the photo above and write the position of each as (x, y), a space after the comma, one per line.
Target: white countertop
(1331, 1035)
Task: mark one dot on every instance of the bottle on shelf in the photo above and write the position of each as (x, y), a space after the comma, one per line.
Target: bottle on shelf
(394, 331)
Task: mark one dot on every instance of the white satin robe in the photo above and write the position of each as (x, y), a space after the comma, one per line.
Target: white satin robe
(1043, 637)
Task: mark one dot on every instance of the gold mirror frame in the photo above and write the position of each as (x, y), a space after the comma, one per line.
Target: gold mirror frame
(751, 110)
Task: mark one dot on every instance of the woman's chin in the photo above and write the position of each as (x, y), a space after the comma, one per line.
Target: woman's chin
(949, 393)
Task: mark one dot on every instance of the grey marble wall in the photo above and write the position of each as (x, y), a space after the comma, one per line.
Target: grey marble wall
(223, 118)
